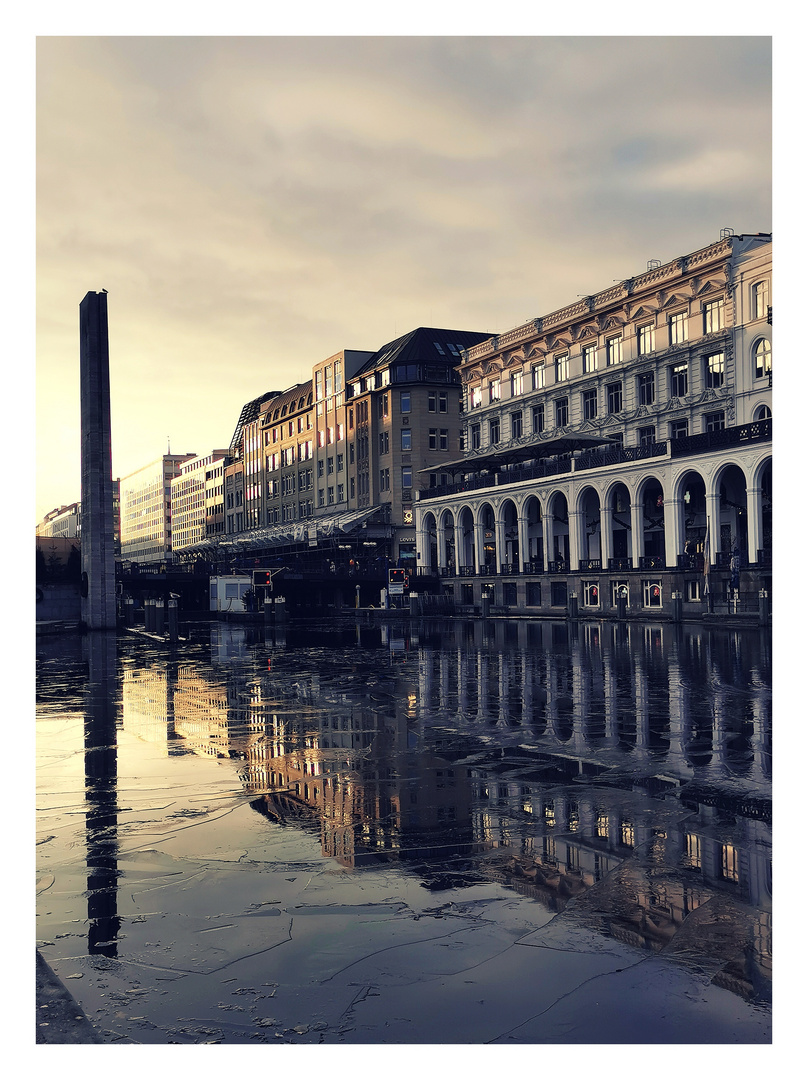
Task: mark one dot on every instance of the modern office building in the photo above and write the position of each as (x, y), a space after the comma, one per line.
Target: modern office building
(62, 521)
(618, 449)
(145, 501)
(197, 500)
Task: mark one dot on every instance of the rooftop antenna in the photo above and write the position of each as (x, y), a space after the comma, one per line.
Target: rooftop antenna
(169, 445)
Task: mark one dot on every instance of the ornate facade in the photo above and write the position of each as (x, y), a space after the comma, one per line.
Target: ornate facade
(618, 449)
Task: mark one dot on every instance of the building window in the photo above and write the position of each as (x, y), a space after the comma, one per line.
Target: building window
(652, 594)
(679, 429)
(678, 328)
(537, 376)
(352, 487)
(590, 404)
(321, 496)
(614, 397)
(562, 410)
(384, 479)
(384, 406)
(476, 397)
(562, 367)
(760, 299)
(433, 438)
(517, 382)
(475, 436)
(713, 316)
(330, 466)
(646, 436)
(538, 419)
(645, 388)
(591, 593)
(645, 339)
(404, 400)
(614, 350)
(534, 594)
(714, 421)
(494, 388)
(590, 358)
(384, 442)
(444, 439)
(406, 476)
(432, 401)
(516, 425)
(340, 493)
(763, 358)
(714, 371)
(679, 379)
(406, 438)
(619, 591)
(493, 432)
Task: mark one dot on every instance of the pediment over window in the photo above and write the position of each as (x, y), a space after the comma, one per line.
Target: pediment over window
(563, 341)
(514, 359)
(588, 330)
(670, 299)
(611, 421)
(644, 311)
(493, 367)
(613, 322)
(708, 285)
(535, 354)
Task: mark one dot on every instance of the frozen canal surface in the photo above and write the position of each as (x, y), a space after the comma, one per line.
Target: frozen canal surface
(463, 832)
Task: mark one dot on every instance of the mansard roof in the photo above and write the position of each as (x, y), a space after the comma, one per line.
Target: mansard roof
(424, 344)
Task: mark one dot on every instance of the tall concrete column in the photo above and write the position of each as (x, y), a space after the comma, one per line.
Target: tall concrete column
(499, 543)
(460, 550)
(637, 534)
(754, 519)
(576, 526)
(606, 542)
(524, 542)
(547, 534)
(97, 531)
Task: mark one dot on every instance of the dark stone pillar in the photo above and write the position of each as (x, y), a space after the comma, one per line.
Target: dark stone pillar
(97, 532)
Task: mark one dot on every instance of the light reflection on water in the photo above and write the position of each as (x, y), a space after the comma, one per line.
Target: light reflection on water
(616, 776)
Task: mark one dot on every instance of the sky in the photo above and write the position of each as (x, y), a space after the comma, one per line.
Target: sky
(254, 204)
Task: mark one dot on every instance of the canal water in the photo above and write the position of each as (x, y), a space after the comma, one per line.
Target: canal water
(460, 832)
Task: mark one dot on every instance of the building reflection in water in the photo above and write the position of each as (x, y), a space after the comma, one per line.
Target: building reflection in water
(624, 768)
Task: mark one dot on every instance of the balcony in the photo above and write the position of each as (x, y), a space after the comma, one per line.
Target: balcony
(759, 431)
(595, 459)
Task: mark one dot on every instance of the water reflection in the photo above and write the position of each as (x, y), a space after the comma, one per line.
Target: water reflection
(617, 775)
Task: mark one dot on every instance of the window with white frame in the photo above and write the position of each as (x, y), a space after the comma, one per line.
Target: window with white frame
(678, 374)
(614, 397)
(646, 436)
(713, 316)
(645, 388)
(493, 431)
(476, 397)
(645, 339)
(763, 358)
(537, 376)
(475, 436)
(406, 438)
(537, 416)
(562, 367)
(494, 390)
(677, 324)
(714, 421)
(714, 371)
(591, 593)
(590, 358)
(652, 594)
(589, 402)
(562, 411)
(760, 299)
(614, 350)
(679, 429)
(517, 382)
(619, 589)
(516, 424)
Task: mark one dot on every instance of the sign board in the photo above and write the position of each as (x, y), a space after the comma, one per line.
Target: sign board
(396, 589)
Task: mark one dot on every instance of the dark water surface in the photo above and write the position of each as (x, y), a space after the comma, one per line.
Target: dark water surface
(462, 832)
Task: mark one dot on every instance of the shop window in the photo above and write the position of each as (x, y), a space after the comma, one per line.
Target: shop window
(652, 594)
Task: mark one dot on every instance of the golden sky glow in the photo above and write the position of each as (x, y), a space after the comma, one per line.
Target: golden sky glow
(253, 205)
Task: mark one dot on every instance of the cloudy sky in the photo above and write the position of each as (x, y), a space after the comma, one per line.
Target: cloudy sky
(252, 205)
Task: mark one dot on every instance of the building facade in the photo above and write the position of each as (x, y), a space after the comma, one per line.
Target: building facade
(64, 521)
(145, 500)
(197, 499)
(618, 449)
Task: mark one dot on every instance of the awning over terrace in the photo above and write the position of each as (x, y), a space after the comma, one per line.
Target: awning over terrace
(297, 532)
(516, 452)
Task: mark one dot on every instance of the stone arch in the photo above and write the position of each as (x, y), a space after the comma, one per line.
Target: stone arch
(487, 530)
(508, 518)
(616, 500)
(650, 521)
(733, 524)
(429, 530)
(534, 526)
(587, 504)
(446, 546)
(558, 530)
